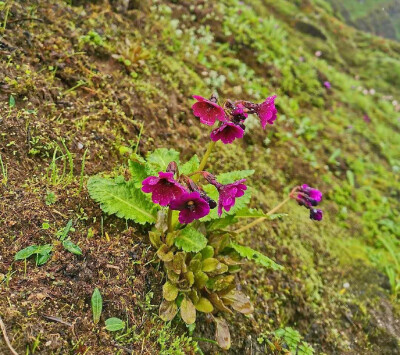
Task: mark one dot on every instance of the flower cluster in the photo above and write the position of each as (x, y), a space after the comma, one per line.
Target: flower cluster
(308, 197)
(232, 115)
(191, 200)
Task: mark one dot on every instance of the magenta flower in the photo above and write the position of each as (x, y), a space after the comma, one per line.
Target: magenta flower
(327, 84)
(191, 207)
(227, 133)
(314, 196)
(163, 188)
(228, 193)
(267, 111)
(316, 214)
(239, 112)
(366, 118)
(308, 197)
(208, 111)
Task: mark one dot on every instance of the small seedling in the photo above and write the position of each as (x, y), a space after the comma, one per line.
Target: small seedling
(50, 198)
(114, 324)
(97, 305)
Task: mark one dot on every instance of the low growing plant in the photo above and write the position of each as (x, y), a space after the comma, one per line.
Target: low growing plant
(193, 212)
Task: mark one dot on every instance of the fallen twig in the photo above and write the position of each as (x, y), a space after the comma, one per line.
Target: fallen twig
(3, 329)
(59, 320)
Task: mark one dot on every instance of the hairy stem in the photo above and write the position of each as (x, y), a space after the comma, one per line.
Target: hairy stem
(261, 219)
(204, 160)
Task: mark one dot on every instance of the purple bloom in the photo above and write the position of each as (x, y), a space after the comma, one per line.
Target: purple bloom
(208, 111)
(327, 84)
(164, 188)
(315, 214)
(267, 111)
(191, 205)
(308, 197)
(239, 112)
(228, 193)
(313, 194)
(366, 118)
(194, 188)
(227, 133)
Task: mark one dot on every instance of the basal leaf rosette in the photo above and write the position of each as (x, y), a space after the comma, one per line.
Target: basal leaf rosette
(200, 275)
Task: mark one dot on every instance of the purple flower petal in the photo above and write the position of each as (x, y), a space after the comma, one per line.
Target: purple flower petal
(227, 133)
(312, 195)
(191, 207)
(228, 194)
(163, 188)
(208, 111)
(327, 84)
(316, 214)
(267, 111)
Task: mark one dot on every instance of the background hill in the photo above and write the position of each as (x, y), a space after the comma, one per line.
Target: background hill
(380, 17)
(83, 83)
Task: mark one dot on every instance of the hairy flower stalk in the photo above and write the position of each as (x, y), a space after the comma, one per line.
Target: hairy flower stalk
(304, 195)
(262, 219)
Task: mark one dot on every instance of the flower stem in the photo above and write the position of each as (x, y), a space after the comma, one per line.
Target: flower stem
(261, 219)
(203, 162)
(169, 221)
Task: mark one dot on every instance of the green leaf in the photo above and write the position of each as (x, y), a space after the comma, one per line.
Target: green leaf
(222, 222)
(250, 213)
(207, 252)
(11, 102)
(44, 249)
(26, 253)
(66, 230)
(168, 310)
(170, 291)
(159, 159)
(72, 248)
(97, 305)
(45, 225)
(123, 199)
(164, 253)
(190, 240)
(204, 305)
(190, 166)
(240, 203)
(256, 256)
(188, 311)
(238, 301)
(42, 258)
(114, 324)
(228, 178)
(42, 252)
(222, 333)
(210, 264)
(277, 216)
(138, 172)
(350, 177)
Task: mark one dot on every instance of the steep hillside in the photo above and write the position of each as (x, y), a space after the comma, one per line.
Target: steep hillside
(380, 17)
(83, 84)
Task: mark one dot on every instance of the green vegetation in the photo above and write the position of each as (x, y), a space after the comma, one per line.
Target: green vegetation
(114, 81)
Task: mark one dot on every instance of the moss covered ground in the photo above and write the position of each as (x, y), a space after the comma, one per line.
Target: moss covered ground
(85, 83)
